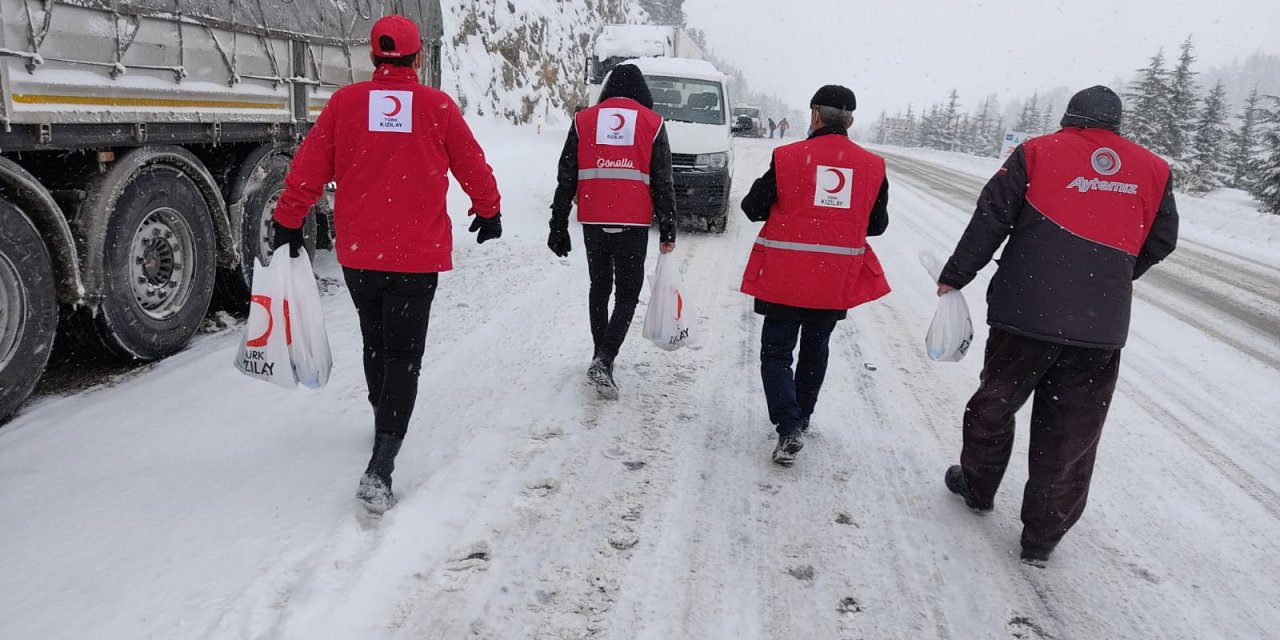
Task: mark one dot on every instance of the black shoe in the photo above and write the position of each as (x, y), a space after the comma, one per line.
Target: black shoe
(375, 484)
(804, 424)
(788, 446)
(1035, 556)
(600, 374)
(958, 485)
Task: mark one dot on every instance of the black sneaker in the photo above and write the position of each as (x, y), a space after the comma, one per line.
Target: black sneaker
(1035, 556)
(375, 485)
(600, 374)
(958, 485)
(804, 424)
(788, 446)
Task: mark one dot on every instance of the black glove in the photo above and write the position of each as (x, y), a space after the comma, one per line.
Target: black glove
(283, 235)
(489, 228)
(559, 242)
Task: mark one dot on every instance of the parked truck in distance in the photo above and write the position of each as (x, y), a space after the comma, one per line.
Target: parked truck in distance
(143, 146)
(692, 97)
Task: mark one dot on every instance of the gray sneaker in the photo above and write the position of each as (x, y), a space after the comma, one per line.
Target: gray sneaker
(788, 446)
(600, 375)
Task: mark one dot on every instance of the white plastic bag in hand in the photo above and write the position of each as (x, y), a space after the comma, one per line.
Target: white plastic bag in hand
(669, 322)
(264, 350)
(951, 331)
(309, 349)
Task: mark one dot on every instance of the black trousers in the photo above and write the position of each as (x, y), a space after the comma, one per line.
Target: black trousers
(394, 310)
(1073, 388)
(613, 259)
(792, 395)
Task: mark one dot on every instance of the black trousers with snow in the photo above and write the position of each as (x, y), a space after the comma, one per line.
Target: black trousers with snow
(394, 310)
(614, 258)
(793, 393)
(1073, 388)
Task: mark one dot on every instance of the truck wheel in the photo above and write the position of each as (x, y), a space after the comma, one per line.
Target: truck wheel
(718, 224)
(158, 264)
(262, 189)
(28, 307)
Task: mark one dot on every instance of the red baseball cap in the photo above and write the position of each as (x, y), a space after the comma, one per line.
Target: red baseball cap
(395, 36)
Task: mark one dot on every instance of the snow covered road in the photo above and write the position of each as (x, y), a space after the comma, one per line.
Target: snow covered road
(191, 502)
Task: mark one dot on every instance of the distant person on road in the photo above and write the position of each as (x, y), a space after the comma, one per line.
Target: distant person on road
(819, 200)
(783, 126)
(1085, 212)
(390, 143)
(773, 126)
(617, 163)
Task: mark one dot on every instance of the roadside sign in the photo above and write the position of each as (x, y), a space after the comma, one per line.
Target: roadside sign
(1011, 141)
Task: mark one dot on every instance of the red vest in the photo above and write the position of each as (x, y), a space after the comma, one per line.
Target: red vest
(813, 251)
(1096, 185)
(615, 146)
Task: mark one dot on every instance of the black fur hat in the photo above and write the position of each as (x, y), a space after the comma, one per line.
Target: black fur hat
(834, 95)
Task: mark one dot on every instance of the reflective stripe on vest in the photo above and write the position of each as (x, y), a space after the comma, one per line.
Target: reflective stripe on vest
(815, 248)
(613, 174)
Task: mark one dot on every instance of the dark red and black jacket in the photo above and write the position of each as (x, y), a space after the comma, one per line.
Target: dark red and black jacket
(1086, 212)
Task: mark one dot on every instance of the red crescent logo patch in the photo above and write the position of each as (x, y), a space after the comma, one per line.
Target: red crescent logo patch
(622, 122)
(839, 182)
(395, 108)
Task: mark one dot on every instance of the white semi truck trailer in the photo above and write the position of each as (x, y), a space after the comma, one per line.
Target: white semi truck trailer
(143, 145)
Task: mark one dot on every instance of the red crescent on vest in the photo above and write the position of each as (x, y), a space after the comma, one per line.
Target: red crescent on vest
(622, 122)
(261, 341)
(394, 110)
(839, 182)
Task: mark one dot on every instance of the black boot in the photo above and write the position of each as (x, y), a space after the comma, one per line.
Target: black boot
(375, 484)
(958, 485)
(1035, 556)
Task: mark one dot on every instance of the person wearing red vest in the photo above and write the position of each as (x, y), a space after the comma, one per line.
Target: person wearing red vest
(617, 163)
(1085, 213)
(390, 143)
(820, 200)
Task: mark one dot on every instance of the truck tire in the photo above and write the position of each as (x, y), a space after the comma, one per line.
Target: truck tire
(159, 264)
(260, 188)
(718, 224)
(28, 307)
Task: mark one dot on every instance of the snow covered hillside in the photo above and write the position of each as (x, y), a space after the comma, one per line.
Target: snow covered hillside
(523, 60)
(189, 502)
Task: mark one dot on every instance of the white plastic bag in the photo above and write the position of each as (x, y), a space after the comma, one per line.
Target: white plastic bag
(264, 350)
(309, 348)
(951, 331)
(669, 322)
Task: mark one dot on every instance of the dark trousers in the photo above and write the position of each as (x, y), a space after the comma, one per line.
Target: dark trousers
(613, 258)
(1073, 388)
(394, 310)
(792, 395)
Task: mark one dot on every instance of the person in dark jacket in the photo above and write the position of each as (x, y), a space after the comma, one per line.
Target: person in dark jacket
(390, 143)
(819, 200)
(1085, 212)
(773, 126)
(616, 162)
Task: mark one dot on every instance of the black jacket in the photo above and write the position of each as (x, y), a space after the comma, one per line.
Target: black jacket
(760, 200)
(1051, 284)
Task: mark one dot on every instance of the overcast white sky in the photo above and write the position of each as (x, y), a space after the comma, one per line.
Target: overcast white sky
(893, 52)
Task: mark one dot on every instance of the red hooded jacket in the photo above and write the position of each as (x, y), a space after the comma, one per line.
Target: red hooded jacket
(389, 144)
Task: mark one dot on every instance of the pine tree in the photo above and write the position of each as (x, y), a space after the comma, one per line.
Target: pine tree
(1029, 119)
(1181, 112)
(881, 129)
(949, 122)
(1205, 169)
(913, 128)
(1241, 160)
(1050, 118)
(979, 143)
(1267, 186)
(929, 127)
(1148, 100)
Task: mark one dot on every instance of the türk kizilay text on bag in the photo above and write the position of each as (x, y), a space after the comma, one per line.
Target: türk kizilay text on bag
(668, 322)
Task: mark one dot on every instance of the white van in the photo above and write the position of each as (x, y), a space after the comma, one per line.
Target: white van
(690, 97)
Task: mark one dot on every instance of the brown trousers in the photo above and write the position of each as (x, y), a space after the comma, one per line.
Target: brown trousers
(1073, 388)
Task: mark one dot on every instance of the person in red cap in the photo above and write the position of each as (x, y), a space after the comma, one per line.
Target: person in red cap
(389, 143)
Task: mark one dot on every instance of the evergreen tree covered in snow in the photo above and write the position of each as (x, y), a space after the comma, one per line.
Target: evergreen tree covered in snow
(1181, 112)
(980, 142)
(912, 138)
(949, 124)
(1267, 186)
(1050, 120)
(1029, 119)
(1242, 161)
(1148, 106)
(882, 129)
(1205, 168)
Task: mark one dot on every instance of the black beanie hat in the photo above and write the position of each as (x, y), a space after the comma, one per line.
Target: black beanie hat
(1097, 107)
(626, 81)
(834, 95)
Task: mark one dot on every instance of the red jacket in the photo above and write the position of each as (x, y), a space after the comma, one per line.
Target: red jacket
(615, 148)
(389, 143)
(812, 252)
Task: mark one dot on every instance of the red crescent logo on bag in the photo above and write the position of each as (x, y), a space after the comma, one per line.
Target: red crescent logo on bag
(394, 110)
(261, 341)
(622, 122)
(839, 182)
(679, 305)
(288, 324)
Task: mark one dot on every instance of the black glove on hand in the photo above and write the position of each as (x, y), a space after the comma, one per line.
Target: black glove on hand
(283, 235)
(489, 228)
(559, 242)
